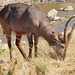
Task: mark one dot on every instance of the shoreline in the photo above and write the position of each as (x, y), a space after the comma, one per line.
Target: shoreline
(36, 3)
(54, 2)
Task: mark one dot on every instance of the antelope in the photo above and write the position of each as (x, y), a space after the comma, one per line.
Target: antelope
(29, 19)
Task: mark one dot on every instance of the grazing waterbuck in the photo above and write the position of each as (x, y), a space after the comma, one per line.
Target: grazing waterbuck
(29, 19)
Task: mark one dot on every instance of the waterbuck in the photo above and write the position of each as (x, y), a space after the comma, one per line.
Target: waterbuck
(29, 19)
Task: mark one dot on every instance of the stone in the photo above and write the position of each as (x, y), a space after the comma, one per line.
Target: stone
(67, 8)
(52, 14)
(0, 41)
(4, 46)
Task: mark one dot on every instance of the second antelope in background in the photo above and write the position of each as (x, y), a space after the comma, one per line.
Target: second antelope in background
(29, 19)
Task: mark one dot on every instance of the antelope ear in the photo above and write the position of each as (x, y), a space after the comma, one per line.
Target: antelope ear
(58, 38)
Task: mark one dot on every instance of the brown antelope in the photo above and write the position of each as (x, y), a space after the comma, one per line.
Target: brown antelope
(29, 19)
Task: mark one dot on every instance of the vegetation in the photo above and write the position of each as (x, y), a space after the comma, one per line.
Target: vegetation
(46, 63)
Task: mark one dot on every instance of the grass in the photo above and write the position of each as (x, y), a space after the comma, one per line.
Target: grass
(45, 64)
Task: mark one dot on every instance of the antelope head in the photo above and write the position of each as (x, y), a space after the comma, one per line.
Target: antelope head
(62, 44)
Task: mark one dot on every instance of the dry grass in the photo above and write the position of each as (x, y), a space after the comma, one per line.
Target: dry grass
(45, 64)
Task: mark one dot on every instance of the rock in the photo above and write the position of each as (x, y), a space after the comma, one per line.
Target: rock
(52, 14)
(0, 41)
(4, 46)
(62, 33)
(56, 18)
(61, 9)
(62, 19)
(67, 8)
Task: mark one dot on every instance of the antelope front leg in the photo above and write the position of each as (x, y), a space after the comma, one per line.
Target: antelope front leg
(30, 40)
(35, 44)
(18, 44)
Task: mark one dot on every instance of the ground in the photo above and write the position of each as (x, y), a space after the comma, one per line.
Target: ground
(45, 64)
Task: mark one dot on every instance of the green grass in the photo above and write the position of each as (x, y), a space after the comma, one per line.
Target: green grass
(45, 64)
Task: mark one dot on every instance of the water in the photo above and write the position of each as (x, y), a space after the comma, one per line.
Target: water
(60, 25)
(47, 7)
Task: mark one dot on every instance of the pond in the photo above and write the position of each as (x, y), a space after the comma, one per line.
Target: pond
(47, 7)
